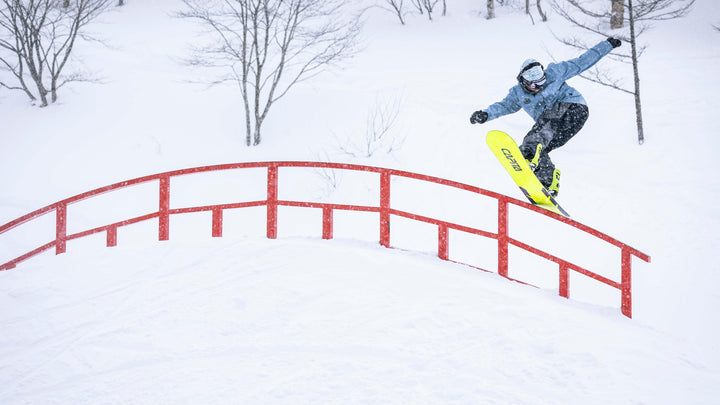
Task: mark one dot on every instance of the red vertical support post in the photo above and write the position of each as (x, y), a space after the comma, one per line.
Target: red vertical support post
(327, 223)
(60, 228)
(626, 283)
(443, 249)
(564, 289)
(112, 236)
(385, 209)
(217, 222)
(164, 210)
(272, 194)
(502, 237)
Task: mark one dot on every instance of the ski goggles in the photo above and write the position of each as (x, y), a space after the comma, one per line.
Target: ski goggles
(535, 85)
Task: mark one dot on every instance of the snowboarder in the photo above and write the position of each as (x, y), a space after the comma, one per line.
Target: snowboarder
(559, 110)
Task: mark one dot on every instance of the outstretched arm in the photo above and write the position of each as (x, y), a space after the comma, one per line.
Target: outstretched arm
(508, 105)
(574, 67)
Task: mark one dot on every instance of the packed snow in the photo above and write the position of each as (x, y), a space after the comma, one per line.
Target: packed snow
(298, 319)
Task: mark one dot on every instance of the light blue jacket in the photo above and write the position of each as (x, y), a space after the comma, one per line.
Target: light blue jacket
(554, 91)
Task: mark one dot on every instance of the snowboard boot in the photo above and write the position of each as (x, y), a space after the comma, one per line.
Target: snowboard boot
(554, 187)
(534, 159)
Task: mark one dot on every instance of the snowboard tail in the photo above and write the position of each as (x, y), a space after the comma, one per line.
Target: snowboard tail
(509, 155)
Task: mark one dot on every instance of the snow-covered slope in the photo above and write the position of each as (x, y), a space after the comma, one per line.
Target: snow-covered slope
(305, 321)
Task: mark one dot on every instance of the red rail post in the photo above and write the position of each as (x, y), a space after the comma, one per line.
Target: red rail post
(272, 194)
(60, 228)
(443, 247)
(385, 208)
(626, 283)
(327, 223)
(217, 222)
(112, 236)
(502, 237)
(564, 286)
(164, 210)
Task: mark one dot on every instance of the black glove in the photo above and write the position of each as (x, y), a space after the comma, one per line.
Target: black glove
(478, 117)
(614, 42)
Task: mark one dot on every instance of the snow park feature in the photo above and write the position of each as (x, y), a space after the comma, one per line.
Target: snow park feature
(162, 199)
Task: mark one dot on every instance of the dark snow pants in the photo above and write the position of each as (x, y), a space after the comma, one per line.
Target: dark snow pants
(553, 129)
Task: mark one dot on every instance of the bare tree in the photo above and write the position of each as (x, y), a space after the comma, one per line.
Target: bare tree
(419, 6)
(429, 6)
(379, 139)
(617, 14)
(593, 17)
(37, 38)
(397, 7)
(543, 16)
(422, 6)
(490, 9)
(268, 46)
(540, 11)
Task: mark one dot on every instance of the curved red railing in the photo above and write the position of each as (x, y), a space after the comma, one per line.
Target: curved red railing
(384, 210)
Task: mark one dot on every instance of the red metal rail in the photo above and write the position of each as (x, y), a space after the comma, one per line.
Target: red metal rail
(384, 210)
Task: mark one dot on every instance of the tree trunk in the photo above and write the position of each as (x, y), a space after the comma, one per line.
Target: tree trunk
(397, 6)
(636, 75)
(491, 9)
(43, 94)
(248, 120)
(617, 14)
(542, 15)
(256, 136)
(419, 5)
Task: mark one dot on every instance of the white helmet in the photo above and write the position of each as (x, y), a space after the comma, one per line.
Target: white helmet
(531, 74)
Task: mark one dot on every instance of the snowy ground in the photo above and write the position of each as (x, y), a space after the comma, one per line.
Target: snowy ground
(243, 319)
(306, 321)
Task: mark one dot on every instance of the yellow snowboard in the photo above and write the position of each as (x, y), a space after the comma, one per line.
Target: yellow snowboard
(509, 155)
